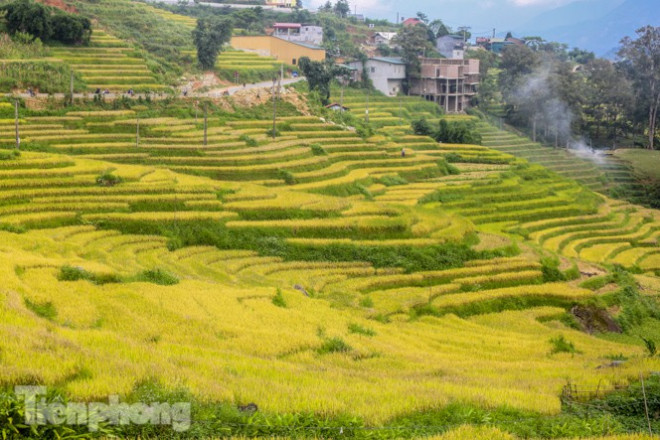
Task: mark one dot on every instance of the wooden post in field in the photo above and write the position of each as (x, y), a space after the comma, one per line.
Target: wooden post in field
(274, 109)
(137, 131)
(366, 112)
(18, 137)
(71, 87)
(205, 124)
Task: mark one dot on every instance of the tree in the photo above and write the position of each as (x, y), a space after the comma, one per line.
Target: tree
(423, 17)
(643, 59)
(327, 7)
(46, 23)
(516, 62)
(28, 17)
(71, 29)
(319, 74)
(209, 36)
(439, 29)
(608, 98)
(299, 4)
(342, 8)
(414, 42)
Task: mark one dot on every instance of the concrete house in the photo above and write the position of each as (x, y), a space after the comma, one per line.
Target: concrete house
(383, 38)
(282, 3)
(451, 83)
(299, 33)
(386, 74)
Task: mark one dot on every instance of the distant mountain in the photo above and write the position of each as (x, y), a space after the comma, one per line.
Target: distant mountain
(570, 14)
(602, 33)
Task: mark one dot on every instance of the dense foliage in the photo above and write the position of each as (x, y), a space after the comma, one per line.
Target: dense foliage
(209, 37)
(46, 23)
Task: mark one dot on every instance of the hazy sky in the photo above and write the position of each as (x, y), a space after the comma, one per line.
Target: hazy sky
(481, 15)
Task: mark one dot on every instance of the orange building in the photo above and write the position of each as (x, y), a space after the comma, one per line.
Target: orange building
(287, 52)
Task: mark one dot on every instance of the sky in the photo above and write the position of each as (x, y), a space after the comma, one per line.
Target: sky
(481, 15)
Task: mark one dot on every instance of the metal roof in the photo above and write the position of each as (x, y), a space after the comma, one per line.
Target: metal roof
(287, 25)
(388, 60)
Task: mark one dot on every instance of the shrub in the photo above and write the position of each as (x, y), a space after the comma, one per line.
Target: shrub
(359, 330)
(334, 345)
(392, 180)
(562, 345)
(44, 309)
(650, 346)
(9, 155)
(278, 300)
(108, 179)
(158, 276)
(550, 269)
(288, 177)
(318, 150)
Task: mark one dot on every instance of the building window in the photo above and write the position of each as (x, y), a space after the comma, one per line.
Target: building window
(293, 62)
(373, 70)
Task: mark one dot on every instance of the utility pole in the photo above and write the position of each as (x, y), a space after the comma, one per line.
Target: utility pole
(464, 29)
(71, 87)
(205, 124)
(493, 33)
(137, 131)
(366, 112)
(18, 137)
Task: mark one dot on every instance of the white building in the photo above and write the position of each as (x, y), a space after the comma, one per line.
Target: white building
(299, 33)
(386, 74)
(383, 38)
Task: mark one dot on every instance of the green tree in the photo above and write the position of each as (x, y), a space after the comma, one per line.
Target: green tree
(327, 7)
(209, 36)
(439, 29)
(516, 62)
(608, 99)
(71, 29)
(642, 59)
(342, 8)
(414, 43)
(319, 74)
(28, 17)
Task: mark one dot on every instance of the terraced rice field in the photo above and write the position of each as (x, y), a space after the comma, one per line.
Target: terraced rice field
(602, 172)
(109, 63)
(432, 275)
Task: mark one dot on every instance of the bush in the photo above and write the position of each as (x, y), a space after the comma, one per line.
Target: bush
(562, 345)
(278, 300)
(44, 309)
(334, 345)
(158, 276)
(108, 179)
(359, 330)
(318, 150)
(9, 155)
(46, 23)
(288, 177)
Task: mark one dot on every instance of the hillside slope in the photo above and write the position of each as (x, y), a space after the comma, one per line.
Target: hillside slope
(321, 272)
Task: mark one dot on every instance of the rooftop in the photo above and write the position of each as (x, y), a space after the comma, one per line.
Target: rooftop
(287, 25)
(388, 60)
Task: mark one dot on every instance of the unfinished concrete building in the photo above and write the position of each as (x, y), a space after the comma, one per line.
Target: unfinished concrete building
(451, 83)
